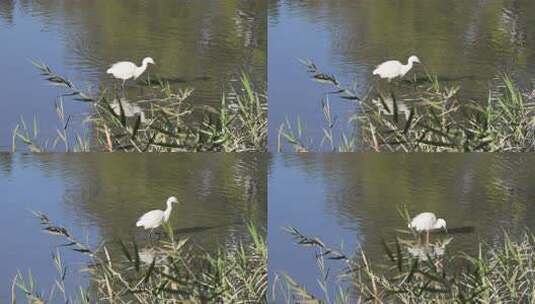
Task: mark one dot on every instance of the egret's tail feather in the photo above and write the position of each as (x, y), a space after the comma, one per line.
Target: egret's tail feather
(139, 224)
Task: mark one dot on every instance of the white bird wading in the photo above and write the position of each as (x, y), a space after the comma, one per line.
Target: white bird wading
(426, 222)
(392, 69)
(155, 218)
(126, 70)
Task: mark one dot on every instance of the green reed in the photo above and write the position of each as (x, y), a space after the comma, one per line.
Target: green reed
(500, 273)
(163, 122)
(171, 270)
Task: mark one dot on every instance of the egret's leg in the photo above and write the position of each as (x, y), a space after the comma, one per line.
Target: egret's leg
(124, 93)
(427, 239)
(115, 87)
(150, 236)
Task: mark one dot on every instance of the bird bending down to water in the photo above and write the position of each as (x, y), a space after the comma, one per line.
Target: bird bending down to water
(427, 221)
(125, 70)
(155, 218)
(392, 69)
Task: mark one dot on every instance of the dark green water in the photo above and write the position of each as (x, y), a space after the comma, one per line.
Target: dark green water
(202, 45)
(351, 201)
(467, 43)
(99, 197)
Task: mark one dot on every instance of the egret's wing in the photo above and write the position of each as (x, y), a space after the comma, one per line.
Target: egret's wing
(388, 69)
(113, 67)
(150, 218)
(423, 221)
(123, 68)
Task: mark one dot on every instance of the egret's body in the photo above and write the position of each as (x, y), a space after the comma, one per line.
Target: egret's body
(126, 70)
(426, 222)
(155, 218)
(392, 69)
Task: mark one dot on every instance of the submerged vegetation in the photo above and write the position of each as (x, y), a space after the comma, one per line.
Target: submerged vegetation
(423, 115)
(170, 270)
(501, 273)
(162, 122)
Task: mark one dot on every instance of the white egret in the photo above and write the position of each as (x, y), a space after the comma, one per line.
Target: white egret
(155, 218)
(392, 69)
(427, 221)
(125, 70)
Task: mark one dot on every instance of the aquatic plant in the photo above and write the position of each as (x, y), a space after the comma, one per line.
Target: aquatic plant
(171, 270)
(162, 122)
(500, 273)
(431, 117)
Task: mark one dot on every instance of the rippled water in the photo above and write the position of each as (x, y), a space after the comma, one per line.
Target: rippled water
(99, 198)
(202, 45)
(470, 43)
(352, 200)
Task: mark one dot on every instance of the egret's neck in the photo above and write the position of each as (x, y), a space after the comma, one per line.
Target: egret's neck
(406, 68)
(144, 65)
(141, 69)
(167, 211)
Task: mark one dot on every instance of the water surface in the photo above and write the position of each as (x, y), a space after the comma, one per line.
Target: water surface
(468, 43)
(202, 45)
(351, 201)
(99, 197)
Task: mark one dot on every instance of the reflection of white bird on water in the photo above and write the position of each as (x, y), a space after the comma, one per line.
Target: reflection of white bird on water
(427, 221)
(385, 104)
(155, 218)
(129, 109)
(125, 70)
(392, 69)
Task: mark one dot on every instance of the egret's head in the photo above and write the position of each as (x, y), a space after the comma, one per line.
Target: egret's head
(414, 59)
(441, 224)
(148, 60)
(172, 200)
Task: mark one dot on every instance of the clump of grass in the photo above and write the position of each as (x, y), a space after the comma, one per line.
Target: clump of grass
(430, 118)
(501, 273)
(436, 119)
(163, 122)
(170, 271)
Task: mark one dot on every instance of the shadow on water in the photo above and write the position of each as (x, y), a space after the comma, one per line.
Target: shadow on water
(195, 229)
(203, 228)
(441, 79)
(175, 80)
(459, 230)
